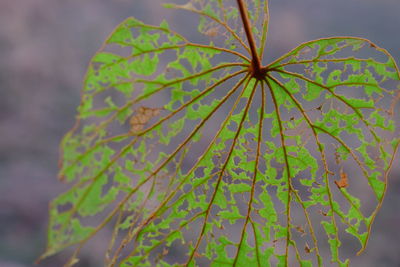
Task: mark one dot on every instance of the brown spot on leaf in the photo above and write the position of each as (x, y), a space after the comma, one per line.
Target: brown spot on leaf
(337, 157)
(300, 229)
(212, 32)
(165, 252)
(323, 213)
(142, 116)
(307, 249)
(197, 255)
(343, 182)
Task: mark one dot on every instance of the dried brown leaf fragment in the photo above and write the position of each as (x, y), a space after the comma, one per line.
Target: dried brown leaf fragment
(343, 182)
(142, 116)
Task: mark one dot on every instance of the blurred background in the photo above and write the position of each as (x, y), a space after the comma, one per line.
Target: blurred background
(45, 47)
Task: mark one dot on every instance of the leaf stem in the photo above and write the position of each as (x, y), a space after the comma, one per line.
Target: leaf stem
(256, 63)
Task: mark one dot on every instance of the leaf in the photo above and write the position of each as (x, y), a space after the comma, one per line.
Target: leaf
(186, 147)
(332, 72)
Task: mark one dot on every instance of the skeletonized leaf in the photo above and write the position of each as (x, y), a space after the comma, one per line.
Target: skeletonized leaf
(337, 92)
(196, 163)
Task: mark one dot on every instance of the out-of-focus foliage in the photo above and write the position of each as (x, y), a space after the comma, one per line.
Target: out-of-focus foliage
(178, 146)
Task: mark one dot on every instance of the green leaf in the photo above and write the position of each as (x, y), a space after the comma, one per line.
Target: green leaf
(185, 147)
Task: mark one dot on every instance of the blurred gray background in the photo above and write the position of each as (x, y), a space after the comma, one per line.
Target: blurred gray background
(45, 47)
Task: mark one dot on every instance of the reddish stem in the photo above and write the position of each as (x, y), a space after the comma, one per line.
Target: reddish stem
(257, 69)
